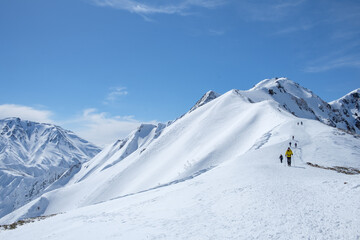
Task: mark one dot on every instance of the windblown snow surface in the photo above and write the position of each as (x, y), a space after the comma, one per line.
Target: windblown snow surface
(212, 174)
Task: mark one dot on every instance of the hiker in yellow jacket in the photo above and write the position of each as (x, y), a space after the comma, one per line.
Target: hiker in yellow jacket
(288, 155)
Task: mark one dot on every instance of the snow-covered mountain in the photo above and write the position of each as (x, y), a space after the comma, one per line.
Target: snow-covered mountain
(343, 113)
(33, 156)
(139, 139)
(303, 103)
(349, 107)
(215, 173)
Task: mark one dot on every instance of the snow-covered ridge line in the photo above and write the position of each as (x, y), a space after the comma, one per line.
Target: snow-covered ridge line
(302, 102)
(207, 97)
(137, 141)
(168, 192)
(216, 130)
(349, 107)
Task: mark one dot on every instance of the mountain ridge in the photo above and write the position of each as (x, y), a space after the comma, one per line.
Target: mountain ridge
(214, 131)
(33, 156)
(303, 103)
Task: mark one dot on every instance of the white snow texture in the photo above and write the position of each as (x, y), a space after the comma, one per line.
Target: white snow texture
(33, 156)
(215, 173)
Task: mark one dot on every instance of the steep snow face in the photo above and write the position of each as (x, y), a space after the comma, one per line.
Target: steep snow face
(349, 107)
(116, 152)
(303, 103)
(34, 155)
(32, 147)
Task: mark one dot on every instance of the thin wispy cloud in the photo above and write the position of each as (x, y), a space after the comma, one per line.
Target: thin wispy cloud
(114, 94)
(344, 23)
(337, 32)
(25, 113)
(100, 127)
(293, 29)
(214, 32)
(342, 57)
(340, 12)
(287, 4)
(267, 10)
(333, 63)
(145, 8)
(345, 34)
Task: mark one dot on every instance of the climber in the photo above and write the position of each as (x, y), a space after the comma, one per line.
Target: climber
(281, 158)
(288, 154)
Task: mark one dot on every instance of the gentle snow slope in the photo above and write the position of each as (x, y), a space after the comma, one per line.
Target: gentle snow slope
(249, 195)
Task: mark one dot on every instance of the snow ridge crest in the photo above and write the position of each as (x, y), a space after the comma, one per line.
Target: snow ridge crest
(207, 97)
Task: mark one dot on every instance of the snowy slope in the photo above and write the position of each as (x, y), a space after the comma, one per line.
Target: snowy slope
(214, 173)
(247, 195)
(219, 130)
(34, 155)
(303, 103)
(116, 152)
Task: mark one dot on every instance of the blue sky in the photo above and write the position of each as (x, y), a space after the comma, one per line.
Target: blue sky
(100, 67)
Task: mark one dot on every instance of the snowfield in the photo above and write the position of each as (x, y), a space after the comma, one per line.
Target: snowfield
(214, 173)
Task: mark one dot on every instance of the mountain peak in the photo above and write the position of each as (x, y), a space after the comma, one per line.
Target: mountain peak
(33, 156)
(352, 97)
(283, 85)
(207, 97)
(353, 94)
(28, 144)
(280, 86)
(349, 107)
(302, 102)
(356, 91)
(272, 82)
(16, 119)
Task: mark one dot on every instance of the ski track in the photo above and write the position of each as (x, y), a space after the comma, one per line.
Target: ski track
(202, 171)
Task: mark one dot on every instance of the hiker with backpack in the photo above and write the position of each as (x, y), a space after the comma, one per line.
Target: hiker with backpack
(288, 154)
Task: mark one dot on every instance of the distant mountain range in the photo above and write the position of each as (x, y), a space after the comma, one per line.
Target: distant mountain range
(33, 156)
